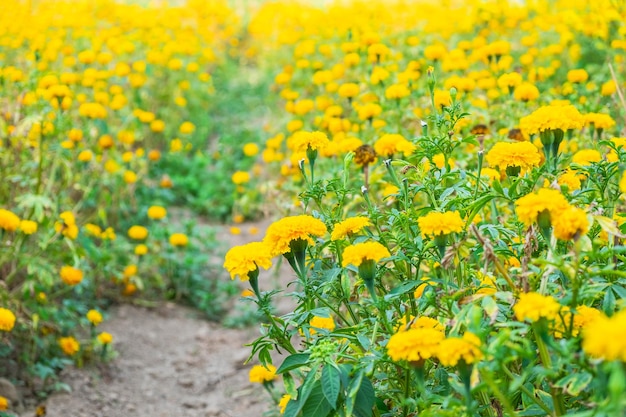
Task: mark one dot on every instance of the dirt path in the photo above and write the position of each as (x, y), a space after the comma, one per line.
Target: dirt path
(171, 363)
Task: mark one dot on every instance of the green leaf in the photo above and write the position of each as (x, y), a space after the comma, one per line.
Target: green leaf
(316, 405)
(574, 384)
(365, 399)
(331, 384)
(353, 390)
(293, 362)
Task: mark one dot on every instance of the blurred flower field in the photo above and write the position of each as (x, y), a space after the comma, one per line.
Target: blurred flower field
(447, 180)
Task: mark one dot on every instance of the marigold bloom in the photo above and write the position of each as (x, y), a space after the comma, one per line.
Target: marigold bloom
(186, 128)
(250, 149)
(552, 117)
(517, 154)
(71, 275)
(599, 120)
(453, 350)
(282, 404)
(105, 338)
(141, 250)
(435, 223)
(322, 323)
(157, 212)
(570, 224)
(605, 337)
(389, 144)
(178, 239)
(69, 345)
(9, 221)
(28, 227)
(526, 92)
(137, 232)
(67, 225)
(414, 345)
(4, 403)
(282, 232)
(349, 226)
(94, 317)
(310, 140)
(7, 320)
(577, 76)
(533, 306)
(586, 157)
(261, 374)
(442, 99)
(348, 90)
(570, 179)
(529, 207)
(422, 322)
(240, 177)
(241, 260)
(361, 252)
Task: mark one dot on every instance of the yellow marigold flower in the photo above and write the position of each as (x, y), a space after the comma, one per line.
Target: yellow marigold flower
(94, 317)
(349, 226)
(154, 155)
(599, 120)
(586, 157)
(4, 403)
(326, 323)
(605, 337)
(240, 177)
(570, 224)
(69, 345)
(67, 226)
(526, 92)
(157, 126)
(533, 306)
(397, 92)
(178, 239)
(241, 260)
(584, 317)
(130, 270)
(9, 221)
(250, 149)
(552, 117)
(28, 227)
(130, 177)
(141, 250)
(282, 404)
(187, 128)
(509, 80)
(176, 145)
(71, 275)
(157, 212)
(348, 90)
(105, 142)
(577, 76)
(389, 144)
(435, 223)
(310, 140)
(414, 345)
(524, 155)
(93, 229)
(85, 156)
(422, 322)
(7, 320)
(369, 110)
(366, 251)
(137, 232)
(282, 232)
(453, 350)
(442, 99)
(608, 88)
(105, 338)
(529, 207)
(261, 374)
(570, 179)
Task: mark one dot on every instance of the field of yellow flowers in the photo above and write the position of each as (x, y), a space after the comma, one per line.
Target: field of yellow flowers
(448, 178)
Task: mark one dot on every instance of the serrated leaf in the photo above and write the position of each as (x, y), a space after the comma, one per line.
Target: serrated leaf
(293, 362)
(331, 384)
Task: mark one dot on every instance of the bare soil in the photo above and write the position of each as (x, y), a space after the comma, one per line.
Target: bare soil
(170, 362)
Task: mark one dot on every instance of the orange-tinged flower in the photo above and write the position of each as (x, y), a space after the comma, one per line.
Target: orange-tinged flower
(533, 306)
(242, 260)
(349, 226)
(71, 275)
(69, 345)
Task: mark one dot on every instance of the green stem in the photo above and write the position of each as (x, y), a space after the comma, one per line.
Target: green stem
(557, 397)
